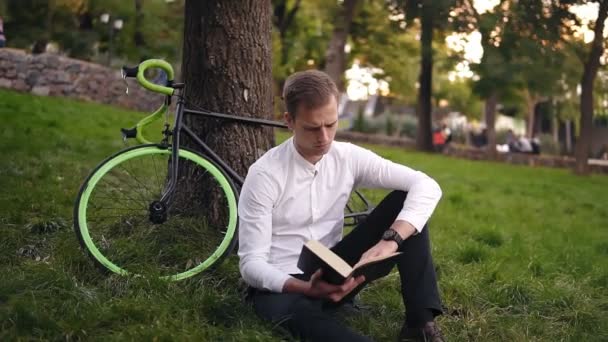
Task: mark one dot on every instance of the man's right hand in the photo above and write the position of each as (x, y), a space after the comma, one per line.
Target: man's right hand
(322, 289)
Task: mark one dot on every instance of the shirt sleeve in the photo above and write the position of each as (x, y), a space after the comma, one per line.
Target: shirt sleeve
(255, 232)
(373, 171)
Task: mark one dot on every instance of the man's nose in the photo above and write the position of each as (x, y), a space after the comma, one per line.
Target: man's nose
(323, 134)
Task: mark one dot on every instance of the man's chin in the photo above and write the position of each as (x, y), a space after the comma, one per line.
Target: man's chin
(321, 150)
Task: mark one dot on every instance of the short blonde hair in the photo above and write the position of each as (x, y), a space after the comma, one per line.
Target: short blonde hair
(311, 89)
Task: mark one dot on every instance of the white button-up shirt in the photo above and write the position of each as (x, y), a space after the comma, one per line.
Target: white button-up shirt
(286, 201)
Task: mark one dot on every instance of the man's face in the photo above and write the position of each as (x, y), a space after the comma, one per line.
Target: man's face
(314, 129)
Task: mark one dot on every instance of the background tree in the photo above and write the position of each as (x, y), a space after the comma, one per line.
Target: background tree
(335, 58)
(432, 16)
(301, 32)
(590, 70)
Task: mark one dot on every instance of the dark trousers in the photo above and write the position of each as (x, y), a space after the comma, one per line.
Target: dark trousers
(311, 319)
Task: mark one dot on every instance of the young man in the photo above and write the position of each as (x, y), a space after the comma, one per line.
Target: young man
(297, 191)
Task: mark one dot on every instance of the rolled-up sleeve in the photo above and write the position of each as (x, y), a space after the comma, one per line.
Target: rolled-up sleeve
(255, 232)
(373, 171)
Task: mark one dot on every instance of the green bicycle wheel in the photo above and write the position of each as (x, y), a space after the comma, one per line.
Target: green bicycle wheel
(114, 223)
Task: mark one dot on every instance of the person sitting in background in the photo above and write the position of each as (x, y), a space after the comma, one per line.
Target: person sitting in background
(481, 139)
(535, 142)
(447, 133)
(524, 145)
(438, 139)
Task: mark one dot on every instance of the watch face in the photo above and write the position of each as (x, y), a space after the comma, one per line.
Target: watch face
(388, 235)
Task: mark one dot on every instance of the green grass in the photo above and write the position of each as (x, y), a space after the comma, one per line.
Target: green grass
(521, 253)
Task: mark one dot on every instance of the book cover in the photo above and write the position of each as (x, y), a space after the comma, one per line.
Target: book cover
(315, 255)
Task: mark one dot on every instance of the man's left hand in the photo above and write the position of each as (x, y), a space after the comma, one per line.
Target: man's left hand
(382, 248)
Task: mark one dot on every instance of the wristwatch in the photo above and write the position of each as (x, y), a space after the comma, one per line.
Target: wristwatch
(392, 235)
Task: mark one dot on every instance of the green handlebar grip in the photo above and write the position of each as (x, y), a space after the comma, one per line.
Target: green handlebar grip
(155, 63)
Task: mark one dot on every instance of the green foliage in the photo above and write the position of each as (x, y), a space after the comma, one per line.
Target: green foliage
(409, 127)
(460, 97)
(304, 38)
(390, 127)
(359, 124)
(380, 42)
(75, 26)
(548, 145)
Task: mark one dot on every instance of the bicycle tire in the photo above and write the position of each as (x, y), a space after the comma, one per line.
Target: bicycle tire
(127, 220)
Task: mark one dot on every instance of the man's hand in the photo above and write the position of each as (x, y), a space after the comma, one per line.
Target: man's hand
(382, 248)
(319, 288)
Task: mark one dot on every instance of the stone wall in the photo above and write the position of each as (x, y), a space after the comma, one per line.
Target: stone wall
(53, 75)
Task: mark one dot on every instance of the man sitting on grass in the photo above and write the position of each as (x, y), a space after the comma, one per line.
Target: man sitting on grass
(297, 191)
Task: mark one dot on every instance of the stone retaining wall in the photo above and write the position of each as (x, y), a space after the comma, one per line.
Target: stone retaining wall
(53, 75)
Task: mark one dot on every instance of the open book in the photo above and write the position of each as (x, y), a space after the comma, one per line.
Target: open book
(335, 270)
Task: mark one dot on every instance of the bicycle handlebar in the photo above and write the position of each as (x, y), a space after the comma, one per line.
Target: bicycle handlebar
(139, 70)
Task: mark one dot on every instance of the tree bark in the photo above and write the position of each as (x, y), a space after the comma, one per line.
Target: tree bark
(568, 136)
(490, 114)
(583, 144)
(227, 67)
(335, 58)
(424, 140)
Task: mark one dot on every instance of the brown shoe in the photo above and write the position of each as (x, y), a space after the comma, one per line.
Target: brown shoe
(428, 333)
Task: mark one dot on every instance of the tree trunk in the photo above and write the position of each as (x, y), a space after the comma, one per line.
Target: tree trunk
(227, 67)
(568, 136)
(138, 36)
(335, 58)
(583, 144)
(532, 101)
(424, 140)
(490, 114)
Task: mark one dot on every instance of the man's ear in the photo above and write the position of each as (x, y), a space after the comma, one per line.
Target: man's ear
(289, 120)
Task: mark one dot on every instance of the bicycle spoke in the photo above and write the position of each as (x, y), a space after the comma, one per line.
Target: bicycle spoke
(133, 177)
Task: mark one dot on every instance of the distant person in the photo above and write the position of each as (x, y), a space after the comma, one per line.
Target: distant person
(2, 36)
(480, 139)
(524, 145)
(447, 133)
(511, 141)
(535, 142)
(438, 140)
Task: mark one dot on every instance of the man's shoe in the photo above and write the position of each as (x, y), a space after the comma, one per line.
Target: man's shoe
(428, 333)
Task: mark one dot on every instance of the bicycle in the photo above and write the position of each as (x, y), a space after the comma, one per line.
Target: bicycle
(136, 212)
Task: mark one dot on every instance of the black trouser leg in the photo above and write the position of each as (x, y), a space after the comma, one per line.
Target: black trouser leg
(304, 317)
(308, 318)
(418, 279)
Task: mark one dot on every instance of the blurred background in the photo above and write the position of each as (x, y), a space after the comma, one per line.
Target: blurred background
(524, 59)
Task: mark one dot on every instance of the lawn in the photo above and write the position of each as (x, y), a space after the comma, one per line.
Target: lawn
(521, 253)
